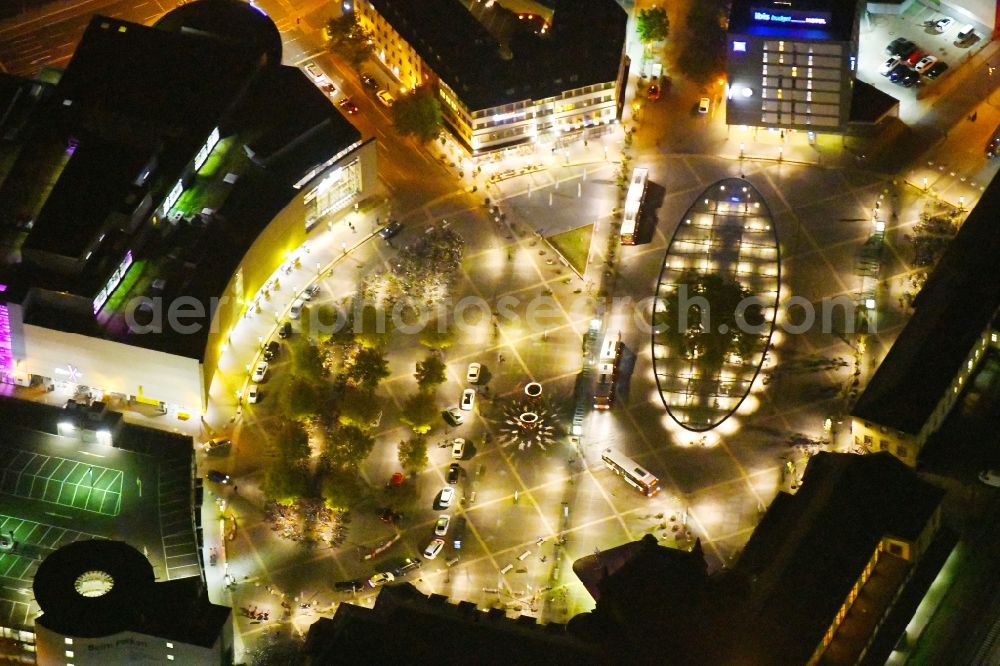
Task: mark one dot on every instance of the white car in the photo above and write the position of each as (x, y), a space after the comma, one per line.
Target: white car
(925, 63)
(446, 497)
(380, 579)
(295, 311)
(453, 416)
(441, 526)
(475, 370)
(944, 23)
(704, 104)
(259, 372)
(458, 448)
(990, 477)
(315, 73)
(252, 394)
(386, 98)
(468, 400)
(888, 65)
(433, 548)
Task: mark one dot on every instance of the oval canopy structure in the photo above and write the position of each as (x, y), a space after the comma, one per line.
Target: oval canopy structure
(715, 306)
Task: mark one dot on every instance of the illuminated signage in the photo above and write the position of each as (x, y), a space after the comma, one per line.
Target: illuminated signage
(206, 150)
(113, 282)
(792, 17)
(740, 47)
(174, 195)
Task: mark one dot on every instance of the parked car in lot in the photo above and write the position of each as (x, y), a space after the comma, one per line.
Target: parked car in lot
(446, 497)
(347, 106)
(390, 230)
(272, 350)
(454, 471)
(458, 533)
(901, 47)
(253, 394)
(217, 476)
(966, 36)
(909, 78)
(433, 548)
(441, 526)
(260, 372)
(218, 445)
(407, 565)
(943, 23)
(386, 98)
(915, 57)
(468, 400)
(349, 585)
(888, 65)
(474, 372)
(653, 92)
(295, 311)
(380, 579)
(703, 105)
(458, 448)
(453, 416)
(285, 330)
(924, 64)
(369, 82)
(936, 70)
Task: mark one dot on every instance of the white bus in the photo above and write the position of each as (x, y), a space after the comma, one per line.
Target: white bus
(634, 199)
(611, 349)
(632, 472)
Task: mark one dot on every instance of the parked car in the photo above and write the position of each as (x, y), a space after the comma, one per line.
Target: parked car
(408, 565)
(387, 515)
(474, 372)
(285, 330)
(272, 350)
(349, 585)
(446, 497)
(312, 289)
(914, 57)
(441, 526)
(454, 471)
(966, 36)
(218, 445)
(347, 106)
(898, 72)
(901, 47)
(889, 65)
(390, 230)
(217, 476)
(433, 548)
(943, 23)
(453, 416)
(990, 477)
(653, 92)
(368, 82)
(468, 400)
(704, 104)
(458, 448)
(936, 70)
(314, 72)
(924, 64)
(386, 98)
(260, 372)
(458, 533)
(908, 79)
(253, 394)
(295, 311)
(380, 579)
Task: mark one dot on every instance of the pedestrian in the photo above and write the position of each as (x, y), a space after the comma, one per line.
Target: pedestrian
(236, 490)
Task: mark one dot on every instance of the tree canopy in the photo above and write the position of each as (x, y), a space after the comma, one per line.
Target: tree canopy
(348, 39)
(302, 399)
(703, 52)
(419, 412)
(348, 446)
(413, 454)
(368, 368)
(652, 24)
(418, 114)
(430, 372)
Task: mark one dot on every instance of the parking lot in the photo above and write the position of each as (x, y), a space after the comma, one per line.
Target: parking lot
(61, 481)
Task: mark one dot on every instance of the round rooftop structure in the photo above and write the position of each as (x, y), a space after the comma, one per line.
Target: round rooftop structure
(724, 254)
(92, 588)
(233, 21)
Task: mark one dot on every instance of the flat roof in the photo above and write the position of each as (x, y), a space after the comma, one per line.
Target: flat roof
(583, 46)
(795, 19)
(957, 303)
(869, 105)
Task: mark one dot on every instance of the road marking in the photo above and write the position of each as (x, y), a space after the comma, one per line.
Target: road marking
(58, 515)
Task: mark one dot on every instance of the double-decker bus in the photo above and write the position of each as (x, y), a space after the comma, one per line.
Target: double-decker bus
(607, 372)
(634, 199)
(632, 472)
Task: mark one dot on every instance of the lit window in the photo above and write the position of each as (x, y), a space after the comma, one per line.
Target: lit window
(170, 645)
(69, 641)
(740, 47)
(69, 654)
(170, 657)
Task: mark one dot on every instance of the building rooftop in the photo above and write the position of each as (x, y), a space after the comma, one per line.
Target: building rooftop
(72, 589)
(583, 46)
(957, 303)
(795, 19)
(869, 105)
(406, 626)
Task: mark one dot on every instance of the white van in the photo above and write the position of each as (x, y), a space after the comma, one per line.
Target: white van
(966, 35)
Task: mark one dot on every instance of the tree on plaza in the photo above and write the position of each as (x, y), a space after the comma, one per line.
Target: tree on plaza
(418, 114)
(419, 412)
(652, 24)
(286, 480)
(413, 454)
(291, 442)
(348, 446)
(703, 53)
(437, 335)
(316, 321)
(430, 372)
(307, 362)
(368, 368)
(341, 488)
(348, 39)
(358, 407)
(371, 327)
(302, 399)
